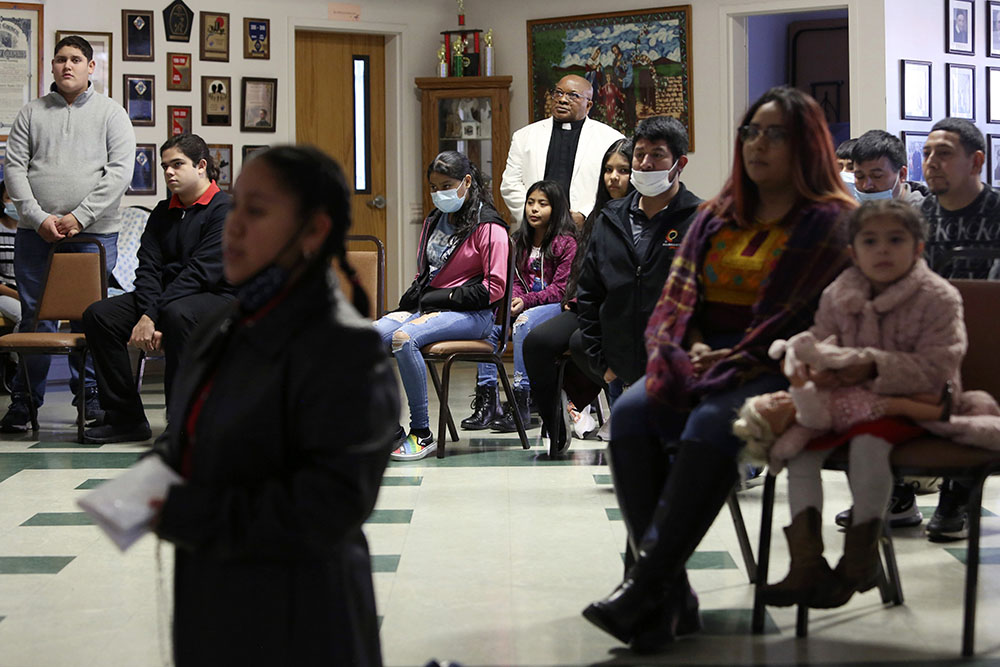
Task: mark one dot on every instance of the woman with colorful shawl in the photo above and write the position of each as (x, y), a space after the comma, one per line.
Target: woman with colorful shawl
(750, 270)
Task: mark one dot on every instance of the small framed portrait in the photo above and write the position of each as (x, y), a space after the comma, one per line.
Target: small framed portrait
(259, 101)
(914, 143)
(180, 119)
(250, 149)
(993, 94)
(257, 39)
(993, 29)
(216, 101)
(993, 159)
(144, 171)
(178, 71)
(139, 99)
(137, 34)
(960, 86)
(214, 36)
(915, 89)
(101, 42)
(960, 26)
(222, 157)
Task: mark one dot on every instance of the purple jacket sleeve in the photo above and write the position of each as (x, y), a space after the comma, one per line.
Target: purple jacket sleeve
(565, 251)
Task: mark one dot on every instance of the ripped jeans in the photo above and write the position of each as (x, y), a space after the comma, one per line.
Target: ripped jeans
(405, 333)
(523, 324)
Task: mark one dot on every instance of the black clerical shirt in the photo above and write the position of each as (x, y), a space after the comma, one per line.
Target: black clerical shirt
(562, 152)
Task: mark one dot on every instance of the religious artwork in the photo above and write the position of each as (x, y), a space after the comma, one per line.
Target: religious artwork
(137, 34)
(222, 158)
(144, 171)
(139, 99)
(214, 36)
(101, 43)
(257, 39)
(915, 89)
(178, 71)
(914, 143)
(637, 61)
(20, 59)
(959, 26)
(960, 86)
(177, 21)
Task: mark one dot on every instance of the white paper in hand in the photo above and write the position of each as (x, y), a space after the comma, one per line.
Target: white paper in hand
(121, 506)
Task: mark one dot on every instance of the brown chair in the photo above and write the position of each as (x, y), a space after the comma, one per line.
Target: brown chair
(73, 281)
(926, 456)
(370, 267)
(449, 351)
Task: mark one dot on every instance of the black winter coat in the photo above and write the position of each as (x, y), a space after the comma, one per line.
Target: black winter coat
(618, 290)
(271, 566)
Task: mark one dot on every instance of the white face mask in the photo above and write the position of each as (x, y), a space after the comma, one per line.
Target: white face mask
(10, 211)
(875, 196)
(653, 183)
(448, 201)
(848, 178)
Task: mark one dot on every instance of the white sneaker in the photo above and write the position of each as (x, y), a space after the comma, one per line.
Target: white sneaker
(583, 421)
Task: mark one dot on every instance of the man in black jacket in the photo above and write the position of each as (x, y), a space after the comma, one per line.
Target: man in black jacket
(178, 281)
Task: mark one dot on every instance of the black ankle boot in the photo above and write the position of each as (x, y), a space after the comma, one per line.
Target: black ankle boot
(505, 423)
(678, 616)
(485, 408)
(700, 480)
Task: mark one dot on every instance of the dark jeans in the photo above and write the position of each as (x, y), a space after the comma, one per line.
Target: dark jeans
(108, 325)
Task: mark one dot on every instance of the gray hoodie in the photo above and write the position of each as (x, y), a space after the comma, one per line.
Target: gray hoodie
(75, 159)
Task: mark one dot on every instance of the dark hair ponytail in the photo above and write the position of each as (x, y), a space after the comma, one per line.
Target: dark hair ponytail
(195, 149)
(457, 165)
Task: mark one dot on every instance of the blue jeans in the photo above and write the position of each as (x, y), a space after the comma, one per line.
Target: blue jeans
(525, 322)
(31, 257)
(405, 333)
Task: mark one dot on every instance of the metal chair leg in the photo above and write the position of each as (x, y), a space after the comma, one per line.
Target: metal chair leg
(975, 510)
(894, 593)
(557, 415)
(81, 396)
(802, 621)
(502, 374)
(763, 553)
(742, 536)
(436, 381)
(32, 408)
(443, 414)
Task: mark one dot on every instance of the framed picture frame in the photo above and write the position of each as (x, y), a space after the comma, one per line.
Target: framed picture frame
(22, 74)
(213, 36)
(222, 156)
(993, 159)
(259, 101)
(102, 43)
(144, 171)
(257, 39)
(914, 144)
(178, 71)
(180, 118)
(137, 35)
(638, 61)
(139, 99)
(960, 89)
(915, 90)
(177, 21)
(216, 101)
(993, 29)
(960, 26)
(250, 149)
(993, 94)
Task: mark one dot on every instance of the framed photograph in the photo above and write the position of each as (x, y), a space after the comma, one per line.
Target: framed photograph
(993, 94)
(915, 89)
(180, 120)
(914, 143)
(178, 71)
(101, 41)
(250, 149)
(137, 34)
(257, 38)
(216, 101)
(214, 36)
(959, 26)
(638, 61)
(21, 38)
(259, 100)
(139, 100)
(993, 29)
(144, 171)
(993, 159)
(222, 156)
(960, 86)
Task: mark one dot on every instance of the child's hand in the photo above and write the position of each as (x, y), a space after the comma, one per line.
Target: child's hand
(516, 306)
(703, 357)
(799, 376)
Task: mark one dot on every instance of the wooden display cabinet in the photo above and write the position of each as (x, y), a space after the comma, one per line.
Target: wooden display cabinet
(469, 114)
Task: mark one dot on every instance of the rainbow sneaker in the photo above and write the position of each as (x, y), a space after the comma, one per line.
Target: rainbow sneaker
(413, 448)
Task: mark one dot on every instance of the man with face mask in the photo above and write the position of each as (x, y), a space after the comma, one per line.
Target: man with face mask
(629, 254)
(567, 148)
(880, 170)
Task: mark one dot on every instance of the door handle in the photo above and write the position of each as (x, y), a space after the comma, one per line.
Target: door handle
(378, 202)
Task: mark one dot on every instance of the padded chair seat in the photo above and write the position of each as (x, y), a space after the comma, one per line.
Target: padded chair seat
(28, 341)
(445, 347)
(928, 455)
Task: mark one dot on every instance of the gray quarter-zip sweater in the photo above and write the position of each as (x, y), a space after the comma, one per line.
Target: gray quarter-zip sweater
(76, 158)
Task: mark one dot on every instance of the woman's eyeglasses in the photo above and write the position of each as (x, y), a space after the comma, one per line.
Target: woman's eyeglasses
(774, 133)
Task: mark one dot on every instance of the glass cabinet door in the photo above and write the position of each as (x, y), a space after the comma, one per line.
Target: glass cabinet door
(465, 124)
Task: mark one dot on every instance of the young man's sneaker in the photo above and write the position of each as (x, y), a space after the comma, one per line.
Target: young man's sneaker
(17, 418)
(414, 447)
(902, 513)
(106, 434)
(951, 518)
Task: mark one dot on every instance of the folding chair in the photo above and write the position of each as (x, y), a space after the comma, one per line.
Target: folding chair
(370, 267)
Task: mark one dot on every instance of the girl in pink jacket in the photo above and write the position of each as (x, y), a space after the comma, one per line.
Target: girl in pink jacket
(901, 329)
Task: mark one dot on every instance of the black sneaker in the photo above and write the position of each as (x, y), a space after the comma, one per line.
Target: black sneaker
(951, 518)
(902, 513)
(94, 414)
(110, 433)
(17, 418)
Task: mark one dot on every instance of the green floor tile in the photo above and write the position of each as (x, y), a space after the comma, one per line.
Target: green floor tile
(400, 480)
(390, 516)
(486, 453)
(614, 514)
(385, 563)
(987, 555)
(63, 445)
(602, 479)
(92, 483)
(711, 560)
(33, 564)
(733, 622)
(59, 519)
(928, 511)
(12, 463)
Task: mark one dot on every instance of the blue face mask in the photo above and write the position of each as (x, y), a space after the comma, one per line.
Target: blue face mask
(11, 211)
(875, 196)
(448, 201)
(848, 178)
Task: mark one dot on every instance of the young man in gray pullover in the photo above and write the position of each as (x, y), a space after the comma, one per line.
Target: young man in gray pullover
(69, 160)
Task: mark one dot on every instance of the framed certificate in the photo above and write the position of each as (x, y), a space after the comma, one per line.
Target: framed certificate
(216, 101)
(214, 36)
(259, 98)
(137, 34)
(178, 71)
(20, 60)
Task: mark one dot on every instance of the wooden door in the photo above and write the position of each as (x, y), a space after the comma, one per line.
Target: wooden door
(325, 114)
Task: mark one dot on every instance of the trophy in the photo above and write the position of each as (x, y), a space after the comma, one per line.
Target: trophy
(442, 60)
(488, 41)
(458, 61)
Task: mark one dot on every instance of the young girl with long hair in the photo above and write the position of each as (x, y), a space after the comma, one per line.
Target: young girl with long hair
(461, 274)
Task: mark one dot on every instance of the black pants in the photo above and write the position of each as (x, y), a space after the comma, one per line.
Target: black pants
(108, 325)
(544, 348)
